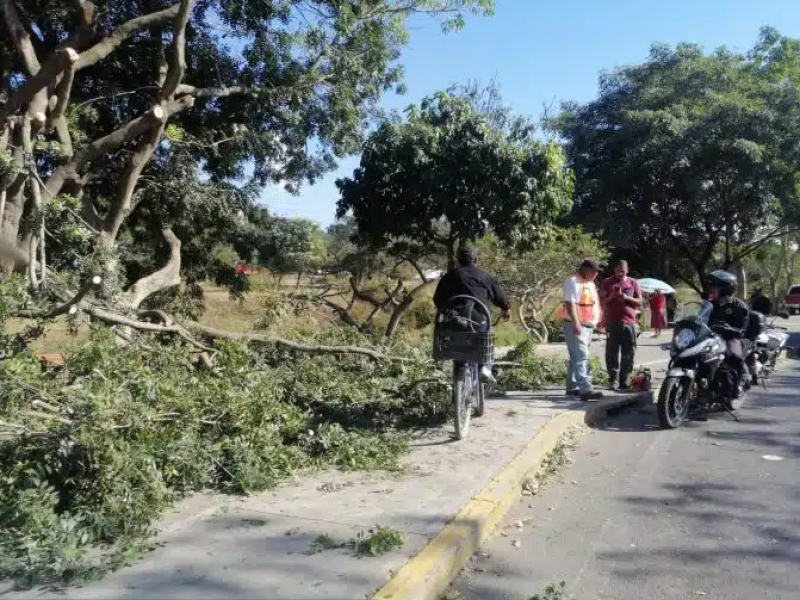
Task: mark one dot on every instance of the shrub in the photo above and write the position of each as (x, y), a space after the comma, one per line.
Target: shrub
(421, 314)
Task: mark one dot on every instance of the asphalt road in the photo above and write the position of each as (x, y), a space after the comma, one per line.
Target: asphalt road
(707, 511)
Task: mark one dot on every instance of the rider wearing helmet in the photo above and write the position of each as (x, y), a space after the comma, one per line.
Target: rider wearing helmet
(729, 318)
(467, 279)
(760, 303)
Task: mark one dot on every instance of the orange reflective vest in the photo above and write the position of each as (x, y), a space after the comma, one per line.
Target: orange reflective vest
(588, 303)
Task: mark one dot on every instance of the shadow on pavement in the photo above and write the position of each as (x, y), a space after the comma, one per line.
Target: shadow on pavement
(750, 519)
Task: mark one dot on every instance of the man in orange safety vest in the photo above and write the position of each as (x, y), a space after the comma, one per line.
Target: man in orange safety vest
(580, 314)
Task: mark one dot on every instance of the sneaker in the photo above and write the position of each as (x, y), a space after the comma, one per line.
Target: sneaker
(624, 387)
(487, 376)
(591, 396)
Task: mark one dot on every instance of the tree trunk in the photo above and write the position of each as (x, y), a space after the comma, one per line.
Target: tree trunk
(166, 277)
(741, 279)
(14, 207)
(402, 307)
(451, 254)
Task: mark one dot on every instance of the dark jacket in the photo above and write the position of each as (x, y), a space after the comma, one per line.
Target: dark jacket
(732, 312)
(470, 281)
(762, 304)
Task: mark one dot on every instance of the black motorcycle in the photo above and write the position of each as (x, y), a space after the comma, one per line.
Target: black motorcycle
(769, 344)
(698, 376)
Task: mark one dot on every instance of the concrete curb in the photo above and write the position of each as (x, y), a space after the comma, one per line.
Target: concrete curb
(427, 575)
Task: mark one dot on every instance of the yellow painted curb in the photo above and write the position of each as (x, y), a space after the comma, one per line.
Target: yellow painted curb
(427, 575)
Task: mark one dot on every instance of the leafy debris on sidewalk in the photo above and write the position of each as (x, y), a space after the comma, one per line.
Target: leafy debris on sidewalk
(555, 460)
(554, 592)
(375, 542)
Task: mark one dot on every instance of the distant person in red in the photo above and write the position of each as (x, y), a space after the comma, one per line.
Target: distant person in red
(621, 297)
(658, 312)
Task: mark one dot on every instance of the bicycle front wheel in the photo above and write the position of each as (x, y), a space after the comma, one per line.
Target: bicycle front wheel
(462, 407)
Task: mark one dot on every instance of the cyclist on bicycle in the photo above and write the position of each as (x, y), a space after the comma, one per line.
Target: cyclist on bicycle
(467, 279)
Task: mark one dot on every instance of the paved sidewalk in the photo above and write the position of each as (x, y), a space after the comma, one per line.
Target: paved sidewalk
(257, 547)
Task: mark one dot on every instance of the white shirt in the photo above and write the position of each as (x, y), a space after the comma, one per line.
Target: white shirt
(574, 287)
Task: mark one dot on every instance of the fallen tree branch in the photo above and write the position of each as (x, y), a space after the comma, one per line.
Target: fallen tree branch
(411, 386)
(64, 308)
(185, 331)
(48, 416)
(507, 364)
(300, 347)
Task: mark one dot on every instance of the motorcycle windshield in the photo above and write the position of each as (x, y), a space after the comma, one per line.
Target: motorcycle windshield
(696, 311)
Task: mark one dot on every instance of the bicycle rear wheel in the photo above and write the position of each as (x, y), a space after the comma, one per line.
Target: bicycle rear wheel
(462, 390)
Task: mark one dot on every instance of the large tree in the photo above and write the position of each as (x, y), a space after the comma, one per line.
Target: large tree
(534, 278)
(691, 154)
(113, 105)
(456, 168)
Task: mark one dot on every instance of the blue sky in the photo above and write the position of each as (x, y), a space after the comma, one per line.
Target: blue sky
(541, 52)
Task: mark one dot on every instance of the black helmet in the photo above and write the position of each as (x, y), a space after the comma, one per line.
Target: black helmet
(725, 282)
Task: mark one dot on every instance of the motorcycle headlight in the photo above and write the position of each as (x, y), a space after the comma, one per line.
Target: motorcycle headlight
(683, 339)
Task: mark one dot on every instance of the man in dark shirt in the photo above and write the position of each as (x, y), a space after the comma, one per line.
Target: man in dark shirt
(467, 279)
(729, 318)
(620, 297)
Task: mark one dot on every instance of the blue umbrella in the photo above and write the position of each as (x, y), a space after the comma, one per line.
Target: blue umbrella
(650, 285)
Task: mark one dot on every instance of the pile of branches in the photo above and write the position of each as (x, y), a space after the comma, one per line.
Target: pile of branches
(92, 452)
(525, 369)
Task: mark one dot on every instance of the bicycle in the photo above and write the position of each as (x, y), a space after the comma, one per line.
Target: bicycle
(468, 344)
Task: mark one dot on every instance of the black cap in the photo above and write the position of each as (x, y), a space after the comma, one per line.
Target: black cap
(591, 263)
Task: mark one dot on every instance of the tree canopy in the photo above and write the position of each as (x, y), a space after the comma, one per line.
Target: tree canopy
(450, 173)
(691, 153)
(120, 106)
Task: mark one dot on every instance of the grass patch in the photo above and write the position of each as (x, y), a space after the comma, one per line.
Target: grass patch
(375, 542)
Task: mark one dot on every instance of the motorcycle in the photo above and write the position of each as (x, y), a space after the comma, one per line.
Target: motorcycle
(697, 376)
(768, 347)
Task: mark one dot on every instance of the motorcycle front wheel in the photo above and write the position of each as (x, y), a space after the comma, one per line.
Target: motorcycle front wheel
(673, 402)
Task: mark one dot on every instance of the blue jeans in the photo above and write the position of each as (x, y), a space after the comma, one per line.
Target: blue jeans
(578, 377)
